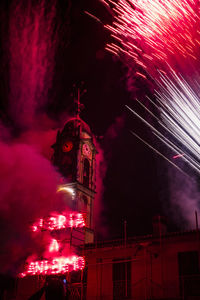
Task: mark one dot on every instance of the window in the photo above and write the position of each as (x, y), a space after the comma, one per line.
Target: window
(85, 201)
(121, 279)
(86, 172)
(188, 264)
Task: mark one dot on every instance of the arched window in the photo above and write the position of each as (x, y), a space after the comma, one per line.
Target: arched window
(86, 172)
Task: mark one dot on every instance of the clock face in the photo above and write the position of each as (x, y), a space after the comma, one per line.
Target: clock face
(67, 146)
(86, 150)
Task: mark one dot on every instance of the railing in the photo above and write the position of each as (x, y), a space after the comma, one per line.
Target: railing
(76, 291)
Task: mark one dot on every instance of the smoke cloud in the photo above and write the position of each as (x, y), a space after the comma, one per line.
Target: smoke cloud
(184, 199)
(28, 181)
(28, 184)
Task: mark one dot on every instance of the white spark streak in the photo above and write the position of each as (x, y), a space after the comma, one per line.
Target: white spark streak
(158, 152)
(179, 107)
(180, 112)
(167, 142)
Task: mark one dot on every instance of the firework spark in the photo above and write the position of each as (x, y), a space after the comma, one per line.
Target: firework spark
(32, 44)
(179, 118)
(153, 32)
(160, 36)
(157, 152)
(178, 156)
(172, 146)
(158, 39)
(180, 112)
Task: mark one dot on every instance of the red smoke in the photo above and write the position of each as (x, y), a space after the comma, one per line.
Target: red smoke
(40, 139)
(28, 184)
(28, 181)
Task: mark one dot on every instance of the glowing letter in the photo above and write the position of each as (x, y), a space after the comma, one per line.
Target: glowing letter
(79, 221)
(61, 222)
(54, 246)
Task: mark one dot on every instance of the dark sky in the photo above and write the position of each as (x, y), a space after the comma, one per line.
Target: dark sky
(136, 181)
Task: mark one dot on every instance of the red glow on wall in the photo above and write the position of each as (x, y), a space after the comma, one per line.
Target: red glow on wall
(59, 265)
(58, 222)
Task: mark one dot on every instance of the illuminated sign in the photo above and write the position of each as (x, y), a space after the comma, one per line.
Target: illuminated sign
(58, 222)
(58, 265)
(54, 252)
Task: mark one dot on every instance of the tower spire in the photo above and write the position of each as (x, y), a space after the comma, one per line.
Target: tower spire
(74, 155)
(78, 93)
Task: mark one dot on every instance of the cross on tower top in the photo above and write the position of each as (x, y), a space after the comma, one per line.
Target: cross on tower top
(78, 92)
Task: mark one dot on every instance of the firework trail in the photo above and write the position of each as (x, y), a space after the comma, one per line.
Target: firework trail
(157, 152)
(151, 33)
(157, 40)
(32, 44)
(180, 112)
(159, 37)
(178, 118)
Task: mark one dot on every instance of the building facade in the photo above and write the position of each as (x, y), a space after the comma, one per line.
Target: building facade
(149, 267)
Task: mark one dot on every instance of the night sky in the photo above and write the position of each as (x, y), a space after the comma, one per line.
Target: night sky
(135, 185)
(135, 182)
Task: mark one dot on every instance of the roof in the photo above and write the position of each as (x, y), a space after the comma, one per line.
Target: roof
(76, 122)
(139, 239)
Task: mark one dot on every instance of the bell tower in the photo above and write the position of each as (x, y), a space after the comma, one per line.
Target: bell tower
(74, 156)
